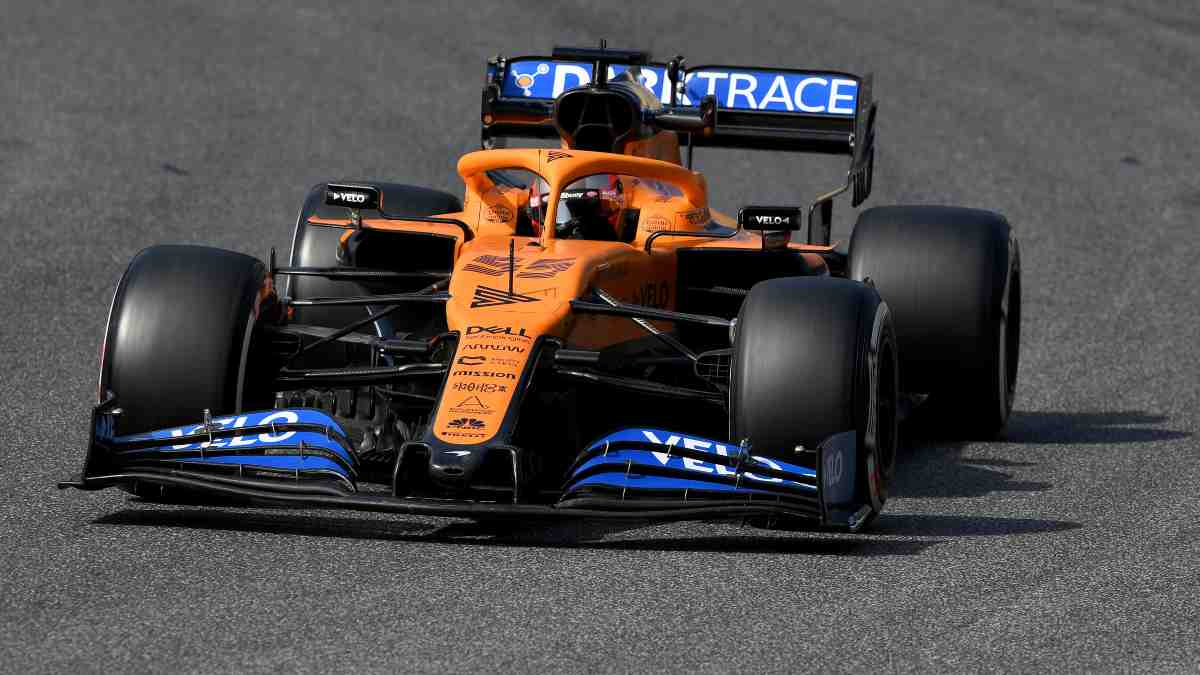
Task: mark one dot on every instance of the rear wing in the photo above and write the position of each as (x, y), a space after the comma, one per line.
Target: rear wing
(810, 111)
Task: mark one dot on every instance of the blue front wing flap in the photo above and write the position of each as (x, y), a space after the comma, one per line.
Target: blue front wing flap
(633, 468)
(298, 445)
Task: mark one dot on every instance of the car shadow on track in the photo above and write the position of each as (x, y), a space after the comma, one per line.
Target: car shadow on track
(589, 535)
(1128, 426)
(932, 466)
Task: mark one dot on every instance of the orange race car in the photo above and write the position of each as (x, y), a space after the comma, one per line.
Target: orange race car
(580, 336)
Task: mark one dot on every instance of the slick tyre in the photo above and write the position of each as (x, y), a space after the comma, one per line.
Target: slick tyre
(952, 278)
(316, 246)
(814, 357)
(182, 338)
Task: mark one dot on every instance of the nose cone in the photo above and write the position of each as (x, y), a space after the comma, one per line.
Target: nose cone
(455, 468)
(488, 471)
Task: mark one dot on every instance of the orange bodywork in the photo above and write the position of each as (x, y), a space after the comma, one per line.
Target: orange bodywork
(498, 324)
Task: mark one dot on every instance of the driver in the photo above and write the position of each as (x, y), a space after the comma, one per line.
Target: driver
(590, 208)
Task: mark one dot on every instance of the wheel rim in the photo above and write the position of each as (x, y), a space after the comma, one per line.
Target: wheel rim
(879, 434)
(1009, 338)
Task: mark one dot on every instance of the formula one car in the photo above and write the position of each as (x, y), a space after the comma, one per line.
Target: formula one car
(581, 336)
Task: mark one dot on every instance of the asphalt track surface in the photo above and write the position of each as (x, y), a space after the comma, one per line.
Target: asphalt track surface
(1070, 544)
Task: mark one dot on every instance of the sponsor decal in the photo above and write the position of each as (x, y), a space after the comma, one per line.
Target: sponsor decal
(695, 216)
(588, 194)
(495, 266)
(471, 360)
(491, 265)
(458, 453)
(480, 387)
(472, 403)
(484, 373)
(485, 346)
(721, 449)
(498, 330)
(282, 417)
(656, 223)
(501, 361)
(555, 155)
(525, 80)
(811, 93)
(486, 296)
(545, 268)
(463, 434)
(652, 295)
(498, 213)
(834, 466)
(769, 218)
(352, 196)
(464, 427)
(349, 197)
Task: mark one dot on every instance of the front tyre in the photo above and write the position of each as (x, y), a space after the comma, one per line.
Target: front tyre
(815, 357)
(182, 338)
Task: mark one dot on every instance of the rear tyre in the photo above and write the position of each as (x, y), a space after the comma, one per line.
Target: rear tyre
(813, 357)
(952, 278)
(182, 338)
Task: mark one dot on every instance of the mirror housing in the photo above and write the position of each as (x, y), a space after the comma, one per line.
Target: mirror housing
(353, 196)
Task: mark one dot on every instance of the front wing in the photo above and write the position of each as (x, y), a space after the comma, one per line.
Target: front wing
(301, 457)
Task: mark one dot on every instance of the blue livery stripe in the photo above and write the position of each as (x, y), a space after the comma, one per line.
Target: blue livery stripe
(638, 482)
(283, 462)
(618, 460)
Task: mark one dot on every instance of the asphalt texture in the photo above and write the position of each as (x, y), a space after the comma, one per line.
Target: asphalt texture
(1070, 544)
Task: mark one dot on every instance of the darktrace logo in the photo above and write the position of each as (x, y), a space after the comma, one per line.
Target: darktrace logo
(471, 360)
(554, 155)
(465, 423)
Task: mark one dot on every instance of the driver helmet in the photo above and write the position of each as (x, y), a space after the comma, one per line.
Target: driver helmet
(589, 208)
